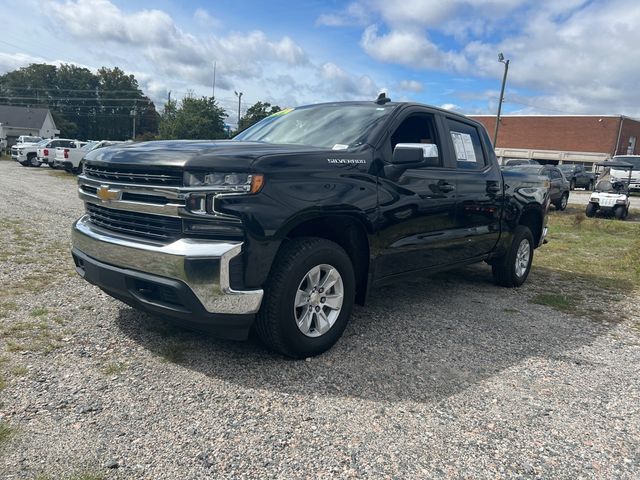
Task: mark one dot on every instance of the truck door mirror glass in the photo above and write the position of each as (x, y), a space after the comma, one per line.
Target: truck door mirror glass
(425, 153)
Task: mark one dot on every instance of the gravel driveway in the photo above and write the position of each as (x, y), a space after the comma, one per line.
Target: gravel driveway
(446, 376)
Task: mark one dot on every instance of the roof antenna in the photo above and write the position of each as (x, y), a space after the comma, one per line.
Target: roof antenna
(382, 98)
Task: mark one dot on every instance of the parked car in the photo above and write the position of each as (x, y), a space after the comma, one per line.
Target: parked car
(578, 176)
(72, 158)
(62, 154)
(46, 151)
(3, 145)
(18, 150)
(558, 184)
(512, 162)
(620, 174)
(288, 224)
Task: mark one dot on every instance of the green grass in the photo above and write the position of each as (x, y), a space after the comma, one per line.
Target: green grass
(114, 368)
(559, 302)
(6, 432)
(605, 251)
(39, 312)
(588, 265)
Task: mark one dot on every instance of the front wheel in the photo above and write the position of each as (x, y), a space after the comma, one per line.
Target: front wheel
(620, 213)
(572, 184)
(591, 186)
(308, 298)
(513, 268)
(591, 210)
(33, 161)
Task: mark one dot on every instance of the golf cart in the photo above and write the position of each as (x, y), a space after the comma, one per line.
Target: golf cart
(611, 195)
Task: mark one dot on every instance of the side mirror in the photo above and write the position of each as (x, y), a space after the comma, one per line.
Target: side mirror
(406, 153)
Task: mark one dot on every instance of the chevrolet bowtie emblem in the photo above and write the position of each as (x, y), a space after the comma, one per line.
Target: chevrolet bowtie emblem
(105, 194)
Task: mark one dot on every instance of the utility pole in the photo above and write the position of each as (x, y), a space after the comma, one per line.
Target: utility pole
(213, 90)
(239, 95)
(169, 97)
(133, 114)
(504, 82)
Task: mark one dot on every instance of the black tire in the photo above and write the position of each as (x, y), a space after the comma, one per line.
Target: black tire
(51, 165)
(591, 210)
(591, 186)
(619, 212)
(504, 269)
(562, 203)
(572, 184)
(276, 323)
(33, 161)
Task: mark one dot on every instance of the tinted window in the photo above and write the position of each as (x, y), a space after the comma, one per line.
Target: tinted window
(467, 146)
(417, 128)
(555, 174)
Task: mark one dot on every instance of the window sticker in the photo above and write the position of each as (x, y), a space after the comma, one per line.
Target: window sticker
(464, 147)
(340, 146)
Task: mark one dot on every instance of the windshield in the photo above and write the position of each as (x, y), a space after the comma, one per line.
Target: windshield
(31, 139)
(607, 186)
(89, 146)
(532, 169)
(566, 168)
(43, 143)
(635, 161)
(337, 127)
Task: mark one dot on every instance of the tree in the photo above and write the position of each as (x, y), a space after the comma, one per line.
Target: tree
(255, 113)
(195, 118)
(84, 104)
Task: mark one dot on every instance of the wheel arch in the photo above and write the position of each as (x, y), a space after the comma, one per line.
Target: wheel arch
(533, 218)
(347, 230)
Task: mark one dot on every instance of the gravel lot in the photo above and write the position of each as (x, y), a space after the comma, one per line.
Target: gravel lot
(453, 377)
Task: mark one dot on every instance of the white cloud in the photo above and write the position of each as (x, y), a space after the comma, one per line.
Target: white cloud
(205, 19)
(579, 55)
(410, 86)
(450, 106)
(169, 49)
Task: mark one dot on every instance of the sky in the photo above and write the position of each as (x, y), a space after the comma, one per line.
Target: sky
(566, 57)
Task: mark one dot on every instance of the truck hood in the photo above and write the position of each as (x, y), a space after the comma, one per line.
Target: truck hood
(192, 154)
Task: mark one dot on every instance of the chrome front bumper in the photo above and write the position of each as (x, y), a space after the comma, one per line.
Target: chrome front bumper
(202, 265)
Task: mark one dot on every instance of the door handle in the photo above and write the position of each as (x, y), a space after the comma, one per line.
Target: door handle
(446, 187)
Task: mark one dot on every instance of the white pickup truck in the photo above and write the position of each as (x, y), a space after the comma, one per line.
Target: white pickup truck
(22, 151)
(46, 151)
(71, 159)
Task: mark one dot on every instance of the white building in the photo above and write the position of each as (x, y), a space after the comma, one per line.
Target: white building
(16, 121)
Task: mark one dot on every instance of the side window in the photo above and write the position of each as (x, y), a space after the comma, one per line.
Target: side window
(468, 148)
(555, 174)
(418, 128)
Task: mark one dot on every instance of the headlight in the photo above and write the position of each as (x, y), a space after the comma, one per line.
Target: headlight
(594, 200)
(225, 182)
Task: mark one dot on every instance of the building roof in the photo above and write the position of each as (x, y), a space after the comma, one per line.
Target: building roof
(25, 117)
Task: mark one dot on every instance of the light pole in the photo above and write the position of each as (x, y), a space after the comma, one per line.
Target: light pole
(504, 82)
(239, 95)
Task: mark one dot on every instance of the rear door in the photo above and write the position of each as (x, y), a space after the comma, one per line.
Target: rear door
(417, 202)
(480, 189)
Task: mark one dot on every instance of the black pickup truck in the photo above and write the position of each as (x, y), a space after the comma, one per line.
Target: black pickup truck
(285, 226)
(578, 176)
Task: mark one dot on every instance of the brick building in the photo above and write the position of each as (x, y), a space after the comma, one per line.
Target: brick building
(563, 138)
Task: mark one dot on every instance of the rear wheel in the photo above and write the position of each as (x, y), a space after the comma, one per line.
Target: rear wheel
(513, 268)
(562, 203)
(591, 210)
(308, 298)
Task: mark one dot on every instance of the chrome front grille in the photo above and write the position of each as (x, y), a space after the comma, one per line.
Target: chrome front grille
(158, 177)
(155, 227)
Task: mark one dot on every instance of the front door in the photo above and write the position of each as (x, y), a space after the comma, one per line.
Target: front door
(417, 203)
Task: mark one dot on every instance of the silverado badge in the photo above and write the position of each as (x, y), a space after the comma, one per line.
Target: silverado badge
(105, 194)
